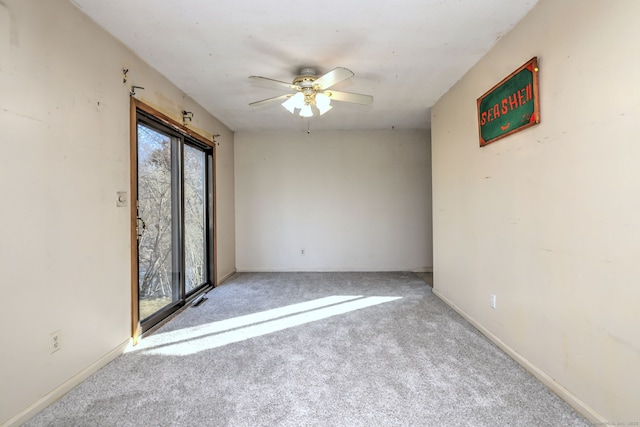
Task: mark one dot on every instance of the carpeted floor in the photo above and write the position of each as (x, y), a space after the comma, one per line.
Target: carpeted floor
(314, 349)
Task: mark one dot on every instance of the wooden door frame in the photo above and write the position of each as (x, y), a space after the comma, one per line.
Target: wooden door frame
(135, 106)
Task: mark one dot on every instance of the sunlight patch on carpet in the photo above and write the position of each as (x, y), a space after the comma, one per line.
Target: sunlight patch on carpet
(193, 340)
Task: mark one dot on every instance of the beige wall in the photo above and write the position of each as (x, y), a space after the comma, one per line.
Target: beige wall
(357, 200)
(64, 246)
(549, 219)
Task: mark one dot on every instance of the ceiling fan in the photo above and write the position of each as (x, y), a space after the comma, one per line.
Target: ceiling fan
(312, 90)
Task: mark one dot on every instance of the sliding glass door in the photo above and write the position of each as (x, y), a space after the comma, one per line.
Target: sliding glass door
(195, 218)
(157, 284)
(174, 219)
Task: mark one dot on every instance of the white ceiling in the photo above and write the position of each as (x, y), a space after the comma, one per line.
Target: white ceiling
(406, 53)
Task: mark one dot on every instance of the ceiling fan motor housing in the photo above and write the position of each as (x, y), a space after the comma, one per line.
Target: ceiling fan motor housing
(306, 78)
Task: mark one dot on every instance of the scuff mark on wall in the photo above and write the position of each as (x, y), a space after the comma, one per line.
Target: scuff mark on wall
(15, 113)
(623, 342)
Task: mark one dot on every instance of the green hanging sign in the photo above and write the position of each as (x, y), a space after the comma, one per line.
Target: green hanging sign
(510, 106)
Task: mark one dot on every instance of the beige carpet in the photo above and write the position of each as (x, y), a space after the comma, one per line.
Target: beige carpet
(314, 349)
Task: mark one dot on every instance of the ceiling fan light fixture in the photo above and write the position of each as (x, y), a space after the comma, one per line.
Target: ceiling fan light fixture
(288, 106)
(295, 101)
(323, 103)
(305, 111)
(312, 94)
(324, 109)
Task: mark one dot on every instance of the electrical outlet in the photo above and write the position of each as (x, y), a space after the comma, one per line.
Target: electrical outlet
(54, 341)
(492, 301)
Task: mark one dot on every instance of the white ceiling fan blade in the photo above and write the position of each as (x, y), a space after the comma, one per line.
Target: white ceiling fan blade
(273, 82)
(269, 100)
(357, 98)
(333, 77)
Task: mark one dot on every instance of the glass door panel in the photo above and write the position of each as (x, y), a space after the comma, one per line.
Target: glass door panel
(195, 177)
(156, 270)
(175, 210)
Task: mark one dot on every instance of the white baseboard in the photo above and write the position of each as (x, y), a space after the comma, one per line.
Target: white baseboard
(225, 277)
(48, 399)
(572, 400)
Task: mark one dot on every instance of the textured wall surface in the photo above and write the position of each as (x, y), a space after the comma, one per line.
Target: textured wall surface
(354, 201)
(64, 250)
(548, 219)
